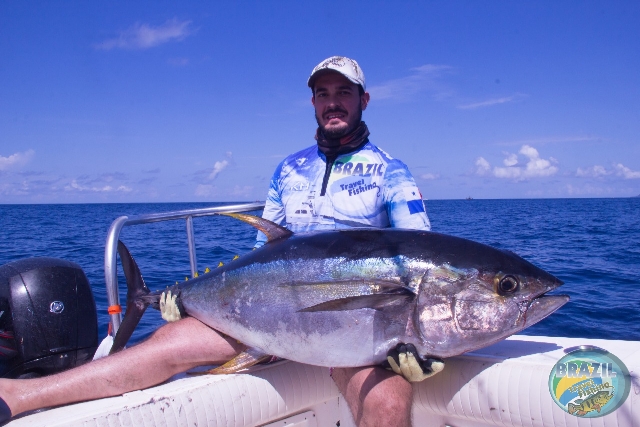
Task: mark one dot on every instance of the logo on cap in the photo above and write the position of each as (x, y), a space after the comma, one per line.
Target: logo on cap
(343, 65)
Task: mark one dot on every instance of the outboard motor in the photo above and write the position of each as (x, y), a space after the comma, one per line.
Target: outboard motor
(48, 320)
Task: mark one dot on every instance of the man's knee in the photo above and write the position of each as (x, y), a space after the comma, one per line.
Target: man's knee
(181, 331)
(190, 342)
(375, 396)
(168, 330)
(385, 390)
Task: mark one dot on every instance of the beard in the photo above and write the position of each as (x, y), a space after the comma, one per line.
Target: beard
(339, 132)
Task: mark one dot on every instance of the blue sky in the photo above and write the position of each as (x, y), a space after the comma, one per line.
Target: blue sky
(199, 101)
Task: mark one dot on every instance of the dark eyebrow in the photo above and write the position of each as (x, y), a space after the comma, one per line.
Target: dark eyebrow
(348, 87)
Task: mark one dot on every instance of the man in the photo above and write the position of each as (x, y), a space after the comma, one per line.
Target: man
(344, 181)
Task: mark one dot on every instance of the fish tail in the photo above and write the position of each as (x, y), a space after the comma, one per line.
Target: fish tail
(136, 302)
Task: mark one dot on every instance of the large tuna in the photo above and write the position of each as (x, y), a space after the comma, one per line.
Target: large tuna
(344, 298)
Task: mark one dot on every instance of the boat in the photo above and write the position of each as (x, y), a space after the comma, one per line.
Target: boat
(506, 384)
(501, 385)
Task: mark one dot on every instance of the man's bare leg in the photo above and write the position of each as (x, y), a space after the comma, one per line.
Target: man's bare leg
(376, 397)
(173, 348)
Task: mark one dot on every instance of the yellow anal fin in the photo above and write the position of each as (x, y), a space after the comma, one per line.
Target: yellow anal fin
(244, 360)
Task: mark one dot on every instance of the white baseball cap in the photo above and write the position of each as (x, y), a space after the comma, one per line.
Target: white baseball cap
(343, 65)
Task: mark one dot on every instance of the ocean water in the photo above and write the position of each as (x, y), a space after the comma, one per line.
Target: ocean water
(593, 245)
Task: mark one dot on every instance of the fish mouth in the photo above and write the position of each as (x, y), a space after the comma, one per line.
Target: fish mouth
(541, 307)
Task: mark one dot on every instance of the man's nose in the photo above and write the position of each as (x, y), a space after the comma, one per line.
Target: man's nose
(332, 101)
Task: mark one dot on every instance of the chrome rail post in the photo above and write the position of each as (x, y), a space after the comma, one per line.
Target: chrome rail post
(191, 241)
(110, 269)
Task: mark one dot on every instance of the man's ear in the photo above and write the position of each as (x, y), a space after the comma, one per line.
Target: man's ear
(313, 100)
(364, 100)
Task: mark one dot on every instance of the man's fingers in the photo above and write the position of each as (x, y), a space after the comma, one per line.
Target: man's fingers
(174, 308)
(162, 301)
(168, 307)
(410, 367)
(436, 365)
(394, 366)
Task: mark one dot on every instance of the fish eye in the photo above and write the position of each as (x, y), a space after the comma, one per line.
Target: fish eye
(508, 285)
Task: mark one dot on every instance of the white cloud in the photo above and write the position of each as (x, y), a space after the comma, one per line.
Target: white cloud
(242, 191)
(595, 171)
(16, 159)
(423, 78)
(203, 190)
(144, 36)
(429, 176)
(552, 139)
(219, 166)
(588, 190)
(510, 160)
(74, 186)
(598, 171)
(491, 102)
(482, 166)
(237, 192)
(625, 172)
(535, 166)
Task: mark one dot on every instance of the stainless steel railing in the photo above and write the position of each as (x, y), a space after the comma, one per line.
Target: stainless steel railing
(111, 246)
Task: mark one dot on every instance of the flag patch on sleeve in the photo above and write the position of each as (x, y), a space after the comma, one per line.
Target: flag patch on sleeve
(414, 200)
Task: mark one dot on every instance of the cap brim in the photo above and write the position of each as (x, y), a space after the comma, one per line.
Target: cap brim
(314, 76)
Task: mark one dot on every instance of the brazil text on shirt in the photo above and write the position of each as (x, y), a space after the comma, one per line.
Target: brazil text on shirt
(347, 168)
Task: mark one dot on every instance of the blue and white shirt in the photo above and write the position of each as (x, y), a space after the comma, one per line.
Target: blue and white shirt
(366, 188)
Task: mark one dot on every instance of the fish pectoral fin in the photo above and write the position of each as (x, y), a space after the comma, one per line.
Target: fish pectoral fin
(375, 301)
(244, 360)
(272, 230)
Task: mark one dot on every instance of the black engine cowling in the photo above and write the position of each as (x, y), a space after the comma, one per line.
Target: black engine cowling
(48, 320)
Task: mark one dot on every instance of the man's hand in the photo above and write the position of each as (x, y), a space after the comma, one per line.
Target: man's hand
(404, 360)
(168, 307)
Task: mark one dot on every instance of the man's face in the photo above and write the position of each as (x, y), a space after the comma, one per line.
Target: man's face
(338, 104)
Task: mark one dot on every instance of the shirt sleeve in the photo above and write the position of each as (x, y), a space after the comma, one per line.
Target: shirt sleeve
(403, 199)
(273, 208)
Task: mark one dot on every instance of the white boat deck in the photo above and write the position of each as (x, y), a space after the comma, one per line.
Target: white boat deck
(501, 385)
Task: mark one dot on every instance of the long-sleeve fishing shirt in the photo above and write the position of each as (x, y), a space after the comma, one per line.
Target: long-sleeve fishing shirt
(363, 188)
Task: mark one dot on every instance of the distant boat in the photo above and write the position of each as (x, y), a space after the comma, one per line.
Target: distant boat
(469, 198)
